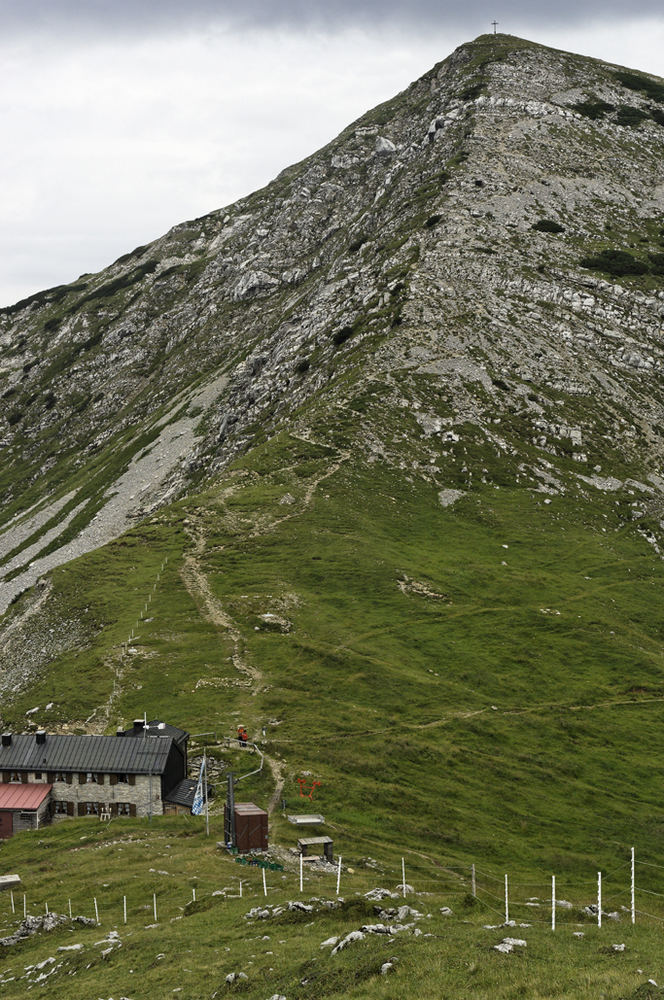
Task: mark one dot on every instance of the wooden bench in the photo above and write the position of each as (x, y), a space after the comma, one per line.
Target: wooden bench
(304, 843)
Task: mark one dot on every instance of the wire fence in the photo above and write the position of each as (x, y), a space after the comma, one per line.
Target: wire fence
(543, 901)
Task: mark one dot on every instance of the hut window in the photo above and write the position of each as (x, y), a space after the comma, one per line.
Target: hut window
(60, 808)
(124, 809)
(14, 776)
(91, 808)
(91, 778)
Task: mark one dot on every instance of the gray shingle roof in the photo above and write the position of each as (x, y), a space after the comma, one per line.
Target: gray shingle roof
(183, 793)
(109, 754)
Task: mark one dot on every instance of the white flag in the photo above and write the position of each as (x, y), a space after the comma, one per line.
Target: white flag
(197, 806)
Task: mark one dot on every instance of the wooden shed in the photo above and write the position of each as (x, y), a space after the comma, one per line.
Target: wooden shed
(250, 827)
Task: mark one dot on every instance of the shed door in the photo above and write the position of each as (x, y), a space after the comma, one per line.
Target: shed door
(6, 824)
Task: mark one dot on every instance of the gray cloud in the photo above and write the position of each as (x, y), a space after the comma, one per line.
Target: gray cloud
(153, 17)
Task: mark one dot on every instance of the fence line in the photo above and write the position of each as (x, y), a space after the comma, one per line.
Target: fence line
(118, 907)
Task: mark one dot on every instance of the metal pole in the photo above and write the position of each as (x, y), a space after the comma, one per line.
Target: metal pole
(25, 906)
(154, 905)
(633, 895)
(69, 902)
(473, 882)
(229, 830)
(96, 910)
(264, 884)
(403, 877)
(507, 902)
(553, 902)
(300, 873)
(12, 899)
(205, 793)
(124, 908)
(599, 899)
(338, 874)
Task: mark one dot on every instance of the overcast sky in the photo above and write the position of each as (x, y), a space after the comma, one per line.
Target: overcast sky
(121, 118)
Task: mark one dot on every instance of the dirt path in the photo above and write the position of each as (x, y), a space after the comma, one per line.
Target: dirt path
(196, 582)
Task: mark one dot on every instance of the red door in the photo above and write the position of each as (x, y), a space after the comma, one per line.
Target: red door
(6, 824)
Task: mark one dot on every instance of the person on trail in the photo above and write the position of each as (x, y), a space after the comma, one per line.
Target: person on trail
(242, 736)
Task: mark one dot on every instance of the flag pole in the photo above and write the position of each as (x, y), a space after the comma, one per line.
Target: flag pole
(205, 792)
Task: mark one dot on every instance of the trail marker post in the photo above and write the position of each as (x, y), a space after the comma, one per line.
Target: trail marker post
(507, 901)
(473, 881)
(11, 894)
(154, 905)
(599, 899)
(553, 902)
(69, 905)
(124, 909)
(403, 877)
(300, 873)
(264, 884)
(633, 892)
(338, 874)
(96, 910)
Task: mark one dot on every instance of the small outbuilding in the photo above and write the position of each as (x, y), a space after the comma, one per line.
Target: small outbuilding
(23, 807)
(250, 827)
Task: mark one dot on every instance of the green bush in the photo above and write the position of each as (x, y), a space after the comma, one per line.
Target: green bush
(630, 116)
(656, 262)
(13, 417)
(593, 109)
(615, 262)
(548, 226)
(342, 335)
(642, 85)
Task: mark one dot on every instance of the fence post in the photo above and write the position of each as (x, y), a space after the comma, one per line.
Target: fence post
(473, 882)
(507, 901)
(11, 893)
(338, 874)
(46, 908)
(553, 902)
(69, 904)
(124, 909)
(240, 888)
(96, 910)
(599, 899)
(633, 893)
(193, 895)
(300, 873)
(25, 907)
(264, 884)
(154, 905)
(403, 876)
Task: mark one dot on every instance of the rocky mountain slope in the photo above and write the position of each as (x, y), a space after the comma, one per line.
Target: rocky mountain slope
(387, 438)
(438, 238)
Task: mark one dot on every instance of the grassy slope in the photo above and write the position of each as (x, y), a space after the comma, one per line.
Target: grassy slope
(509, 720)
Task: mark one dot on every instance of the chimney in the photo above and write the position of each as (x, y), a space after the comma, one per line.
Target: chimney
(120, 731)
(6, 739)
(40, 736)
(139, 725)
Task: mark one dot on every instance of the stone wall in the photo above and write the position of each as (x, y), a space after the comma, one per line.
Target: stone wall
(108, 795)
